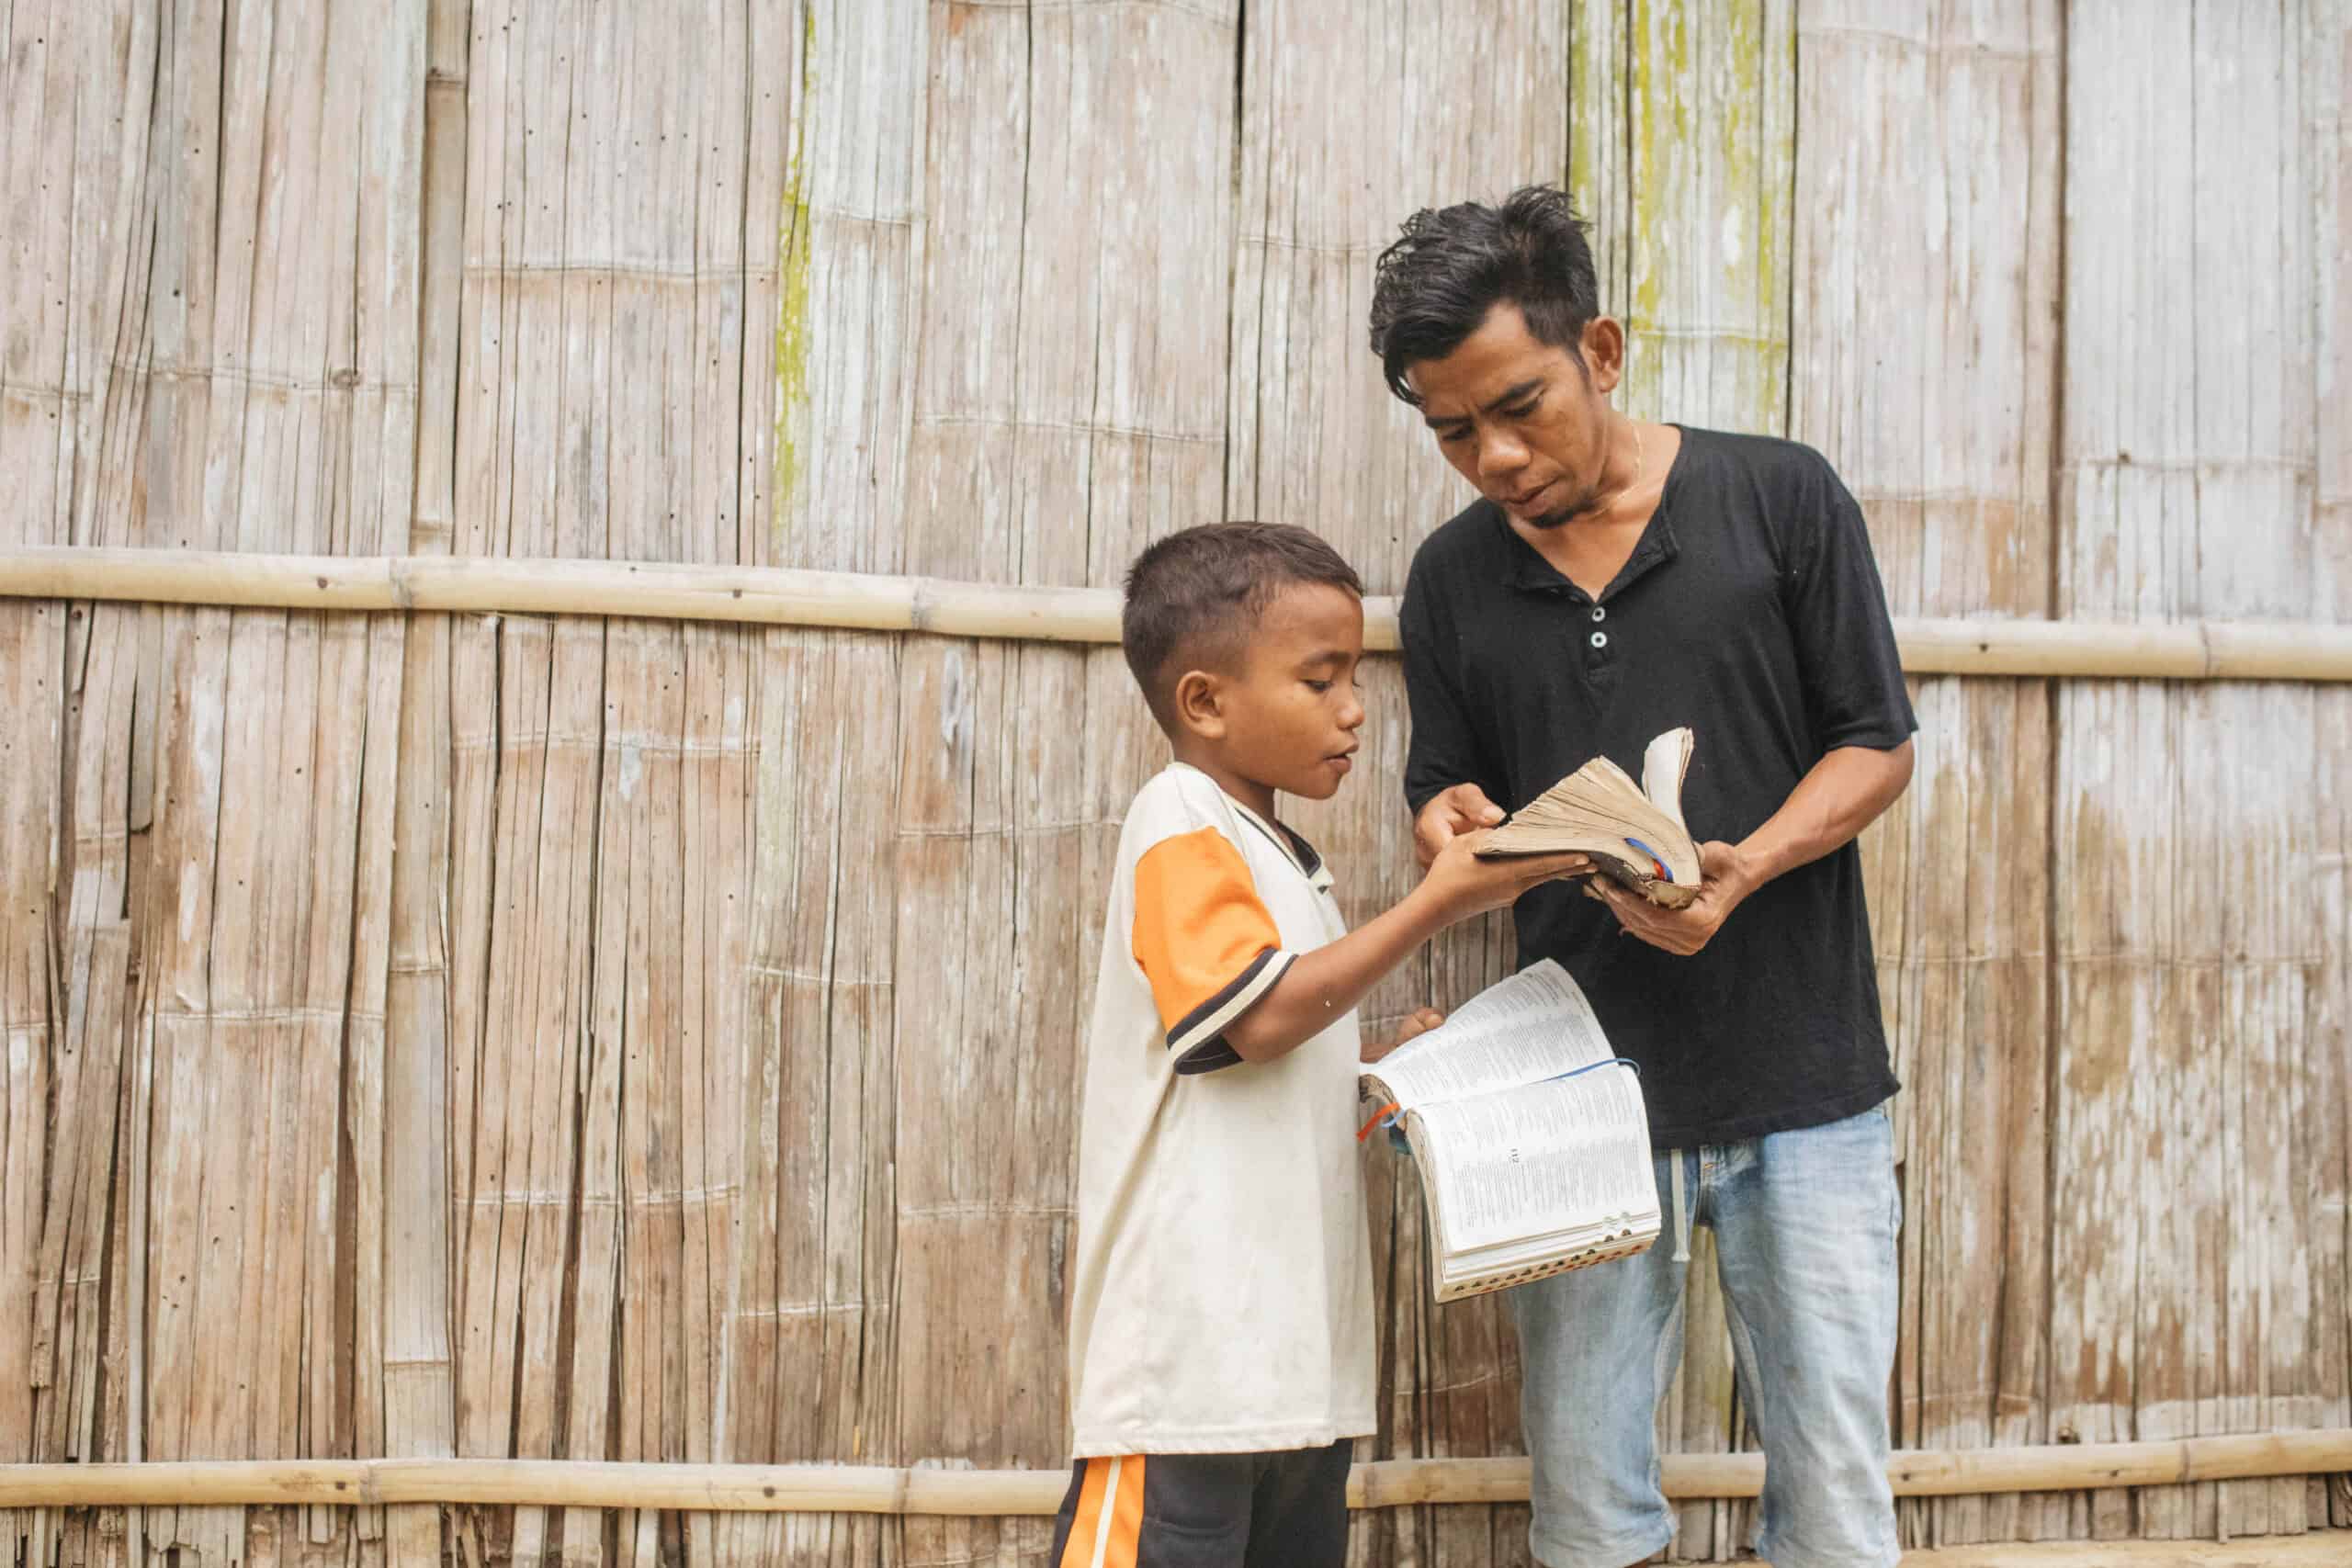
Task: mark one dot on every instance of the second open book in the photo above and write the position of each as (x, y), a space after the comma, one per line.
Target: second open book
(1530, 1137)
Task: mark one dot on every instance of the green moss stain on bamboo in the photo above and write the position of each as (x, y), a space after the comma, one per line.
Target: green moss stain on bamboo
(1593, 100)
(1710, 199)
(1774, 65)
(795, 240)
(1662, 137)
(1661, 111)
(1758, 157)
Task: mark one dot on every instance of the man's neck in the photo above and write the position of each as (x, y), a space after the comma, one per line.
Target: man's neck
(1629, 496)
(1590, 548)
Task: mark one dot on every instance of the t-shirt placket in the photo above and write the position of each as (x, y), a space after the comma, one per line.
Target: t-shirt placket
(1600, 662)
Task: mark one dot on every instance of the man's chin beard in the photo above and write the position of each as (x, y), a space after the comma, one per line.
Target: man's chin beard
(1558, 517)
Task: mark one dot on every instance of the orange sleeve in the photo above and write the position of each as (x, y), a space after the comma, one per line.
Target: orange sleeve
(1205, 940)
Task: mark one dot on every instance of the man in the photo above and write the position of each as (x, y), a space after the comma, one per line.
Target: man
(1616, 580)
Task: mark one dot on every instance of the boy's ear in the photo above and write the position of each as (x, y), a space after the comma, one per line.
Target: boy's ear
(1199, 703)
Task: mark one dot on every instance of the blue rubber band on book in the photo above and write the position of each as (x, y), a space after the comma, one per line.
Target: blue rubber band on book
(1663, 874)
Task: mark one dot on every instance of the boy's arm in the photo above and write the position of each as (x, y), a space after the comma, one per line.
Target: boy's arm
(1323, 985)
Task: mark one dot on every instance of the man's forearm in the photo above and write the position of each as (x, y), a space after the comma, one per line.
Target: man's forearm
(1844, 794)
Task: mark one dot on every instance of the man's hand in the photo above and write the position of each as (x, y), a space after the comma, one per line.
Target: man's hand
(1421, 1024)
(1725, 877)
(1448, 814)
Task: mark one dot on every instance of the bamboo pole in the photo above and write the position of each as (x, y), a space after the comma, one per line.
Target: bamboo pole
(2322, 1547)
(658, 590)
(882, 1489)
(2174, 650)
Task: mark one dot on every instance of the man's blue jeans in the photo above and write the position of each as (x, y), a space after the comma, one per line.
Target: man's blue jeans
(1804, 1226)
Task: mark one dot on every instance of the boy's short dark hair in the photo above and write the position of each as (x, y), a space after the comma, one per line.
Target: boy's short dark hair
(1193, 598)
(1453, 264)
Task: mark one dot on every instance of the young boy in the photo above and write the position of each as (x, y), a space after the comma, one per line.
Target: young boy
(1221, 1327)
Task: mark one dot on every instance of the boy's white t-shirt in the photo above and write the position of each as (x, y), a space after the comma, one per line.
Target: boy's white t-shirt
(1221, 1293)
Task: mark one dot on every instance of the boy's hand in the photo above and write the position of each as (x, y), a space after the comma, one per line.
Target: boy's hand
(1421, 1024)
(1448, 814)
(1466, 885)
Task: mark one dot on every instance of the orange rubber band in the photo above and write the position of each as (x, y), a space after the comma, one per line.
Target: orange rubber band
(1365, 1131)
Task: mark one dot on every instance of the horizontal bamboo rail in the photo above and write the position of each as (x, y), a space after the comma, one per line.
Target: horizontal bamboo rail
(880, 1489)
(2173, 650)
(2320, 1549)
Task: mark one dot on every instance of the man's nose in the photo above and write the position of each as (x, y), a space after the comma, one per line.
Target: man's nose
(1500, 453)
(1352, 712)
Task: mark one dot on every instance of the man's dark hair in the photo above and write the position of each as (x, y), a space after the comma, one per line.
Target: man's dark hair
(1193, 597)
(1453, 264)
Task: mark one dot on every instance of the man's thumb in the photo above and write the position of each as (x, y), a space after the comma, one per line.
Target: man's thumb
(1472, 802)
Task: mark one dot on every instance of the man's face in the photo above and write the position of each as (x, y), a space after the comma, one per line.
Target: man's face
(1522, 419)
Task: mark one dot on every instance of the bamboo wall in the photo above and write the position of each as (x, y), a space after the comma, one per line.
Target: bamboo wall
(481, 1035)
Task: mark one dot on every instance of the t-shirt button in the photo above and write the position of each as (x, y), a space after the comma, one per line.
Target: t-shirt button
(1601, 639)
(1599, 613)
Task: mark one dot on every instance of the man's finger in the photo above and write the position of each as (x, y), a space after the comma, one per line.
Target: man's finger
(1469, 801)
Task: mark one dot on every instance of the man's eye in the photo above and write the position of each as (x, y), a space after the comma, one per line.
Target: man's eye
(1524, 411)
(1458, 434)
(1319, 686)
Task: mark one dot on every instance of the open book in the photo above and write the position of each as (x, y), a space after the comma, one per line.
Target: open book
(1636, 836)
(1529, 1164)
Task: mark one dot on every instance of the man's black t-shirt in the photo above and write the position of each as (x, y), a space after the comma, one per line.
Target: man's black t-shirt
(1751, 611)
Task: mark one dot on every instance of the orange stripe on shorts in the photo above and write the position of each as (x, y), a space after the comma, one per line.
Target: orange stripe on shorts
(1127, 1516)
(1087, 1522)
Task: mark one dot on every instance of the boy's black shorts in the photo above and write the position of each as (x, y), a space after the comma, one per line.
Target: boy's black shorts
(1269, 1510)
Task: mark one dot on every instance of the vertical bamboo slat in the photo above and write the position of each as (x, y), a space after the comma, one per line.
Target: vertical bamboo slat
(2122, 1284)
(1946, 447)
(38, 413)
(2322, 1144)
(410, 1172)
(849, 239)
(30, 639)
(61, 945)
(2173, 997)
(2259, 430)
(38, 420)
(833, 194)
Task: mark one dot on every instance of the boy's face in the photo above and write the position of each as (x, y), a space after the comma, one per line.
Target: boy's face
(1286, 719)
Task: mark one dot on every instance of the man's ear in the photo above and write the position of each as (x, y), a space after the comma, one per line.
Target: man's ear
(1603, 347)
(1199, 703)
